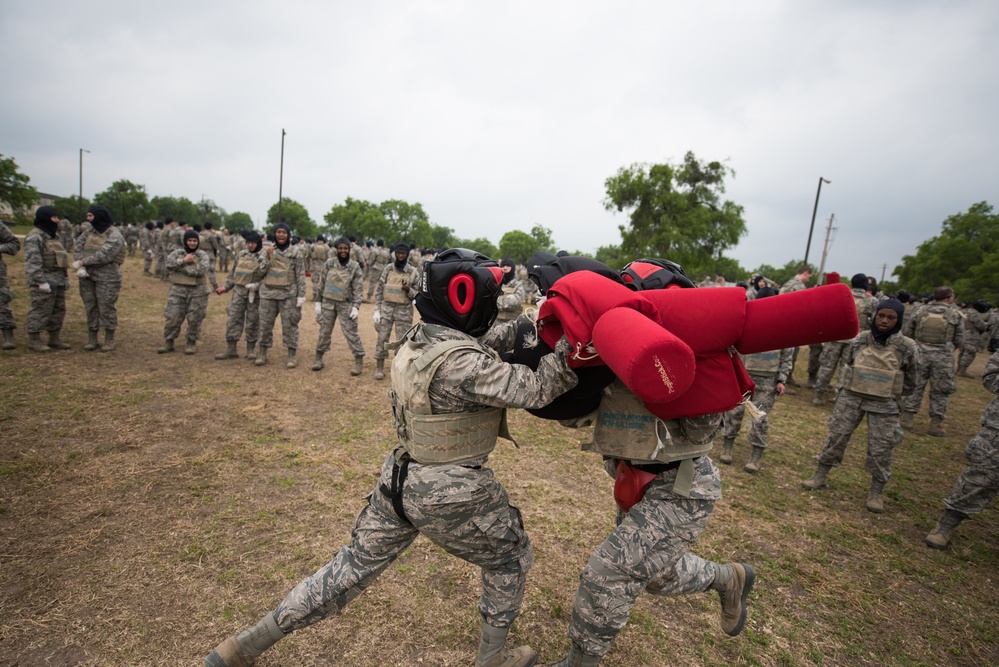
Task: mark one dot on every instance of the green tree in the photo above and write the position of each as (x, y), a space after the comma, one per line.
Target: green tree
(408, 222)
(543, 236)
(72, 208)
(965, 255)
(238, 220)
(676, 211)
(480, 244)
(359, 217)
(611, 256)
(16, 190)
(178, 208)
(127, 203)
(295, 216)
(518, 245)
(209, 211)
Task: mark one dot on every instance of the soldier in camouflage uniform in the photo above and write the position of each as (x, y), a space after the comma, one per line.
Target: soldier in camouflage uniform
(9, 245)
(146, 247)
(769, 371)
(225, 250)
(131, 234)
(163, 247)
(65, 233)
(795, 284)
(511, 303)
(341, 286)
(975, 326)
(380, 258)
(282, 291)
(210, 244)
(190, 269)
(880, 368)
(99, 253)
(243, 309)
(318, 254)
(444, 381)
(45, 264)
(938, 330)
(834, 351)
(393, 303)
(977, 484)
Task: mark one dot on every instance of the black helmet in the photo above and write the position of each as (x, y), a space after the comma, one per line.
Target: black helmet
(463, 285)
(646, 274)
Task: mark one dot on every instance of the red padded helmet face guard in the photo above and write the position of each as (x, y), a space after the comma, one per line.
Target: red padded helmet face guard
(464, 286)
(649, 274)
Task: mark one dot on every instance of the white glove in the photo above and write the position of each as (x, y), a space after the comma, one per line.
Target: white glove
(77, 264)
(252, 287)
(45, 287)
(377, 317)
(353, 313)
(319, 308)
(82, 272)
(149, 253)
(251, 296)
(299, 301)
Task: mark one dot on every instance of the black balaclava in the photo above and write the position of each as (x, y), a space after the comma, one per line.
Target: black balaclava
(758, 282)
(982, 306)
(859, 281)
(159, 224)
(102, 218)
(764, 292)
(509, 275)
(191, 234)
(430, 313)
(381, 243)
(396, 248)
(43, 220)
(339, 242)
(253, 237)
(889, 304)
(286, 228)
(150, 226)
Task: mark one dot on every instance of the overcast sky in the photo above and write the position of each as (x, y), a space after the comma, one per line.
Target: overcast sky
(502, 115)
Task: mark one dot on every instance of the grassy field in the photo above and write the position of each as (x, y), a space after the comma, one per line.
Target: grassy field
(152, 505)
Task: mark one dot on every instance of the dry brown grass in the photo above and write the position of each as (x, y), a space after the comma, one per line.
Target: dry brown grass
(152, 505)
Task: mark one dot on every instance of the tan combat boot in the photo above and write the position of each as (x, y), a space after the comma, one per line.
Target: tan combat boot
(230, 351)
(493, 651)
(939, 537)
(875, 501)
(907, 420)
(358, 366)
(818, 480)
(167, 347)
(726, 455)
(261, 357)
(318, 364)
(936, 427)
(35, 343)
(251, 350)
(576, 658)
(55, 341)
(91, 340)
(8, 339)
(108, 345)
(733, 594)
(379, 369)
(753, 465)
(292, 358)
(191, 347)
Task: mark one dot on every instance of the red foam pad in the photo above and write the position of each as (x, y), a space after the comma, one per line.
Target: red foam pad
(708, 320)
(651, 361)
(719, 385)
(809, 316)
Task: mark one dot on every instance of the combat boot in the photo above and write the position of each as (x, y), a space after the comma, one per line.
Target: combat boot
(251, 350)
(244, 649)
(230, 351)
(108, 345)
(358, 366)
(191, 347)
(963, 373)
(55, 341)
(292, 360)
(939, 537)
(907, 420)
(35, 343)
(811, 380)
(875, 501)
(91, 340)
(318, 364)
(726, 455)
(167, 346)
(8, 339)
(936, 427)
(753, 465)
(493, 651)
(820, 398)
(261, 357)
(818, 480)
(733, 593)
(379, 369)
(576, 658)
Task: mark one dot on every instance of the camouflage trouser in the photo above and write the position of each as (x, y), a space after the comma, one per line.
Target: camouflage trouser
(47, 311)
(161, 271)
(814, 359)
(100, 299)
(131, 247)
(316, 275)
(937, 368)
(977, 484)
(6, 314)
(241, 313)
(967, 357)
(399, 314)
(649, 550)
(147, 261)
(224, 261)
(373, 277)
(832, 355)
(763, 398)
(332, 310)
(464, 511)
(185, 302)
(290, 317)
(883, 433)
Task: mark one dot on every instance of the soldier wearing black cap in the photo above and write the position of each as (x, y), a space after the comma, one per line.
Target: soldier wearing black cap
(394, 302)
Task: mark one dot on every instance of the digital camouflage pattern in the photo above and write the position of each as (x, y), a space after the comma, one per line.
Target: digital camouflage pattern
(936, 361)
(100, 289)
(48, 309)
(9, 245)
(241, 315)
(975, 328)
(275, 301)
(399, 315)
(764, 398)
(380, 258)
(188, 302)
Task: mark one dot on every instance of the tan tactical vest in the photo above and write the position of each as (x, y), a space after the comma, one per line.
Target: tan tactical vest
(319, 253)
(245, 267)
(442, 438)
(179, 277)
(96, 241)
(393, 291)
(54, 255)
(507, 315)
(337, 283)
(278, 275)
(763, 363)
(877, 371)
(626, 430)
(932, 327)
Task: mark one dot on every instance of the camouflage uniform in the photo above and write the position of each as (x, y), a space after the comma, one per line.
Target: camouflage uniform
(225, 250)
(165, 244)
(146, 248)
(511, 302)
(9, 245)
(883, 429)
(764, 396)
(936, 359)
(65, 233)
(209, 243)
(101, 255)
(318, 254)
(380, 258)
(241, 313)
(834, 352)
(975, 327)
(46, 261)
(187, 301)
(282, 299)
(394, 305)
(131, 235)
(341, 289)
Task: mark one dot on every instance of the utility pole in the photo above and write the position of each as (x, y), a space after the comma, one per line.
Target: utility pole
(815, 209)
(82, 151)
(281, 178)
(825, 247)
(884, 267)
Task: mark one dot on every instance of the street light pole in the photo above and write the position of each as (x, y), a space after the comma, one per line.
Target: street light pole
(814, 210)
(281, 178)
(82, 151)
